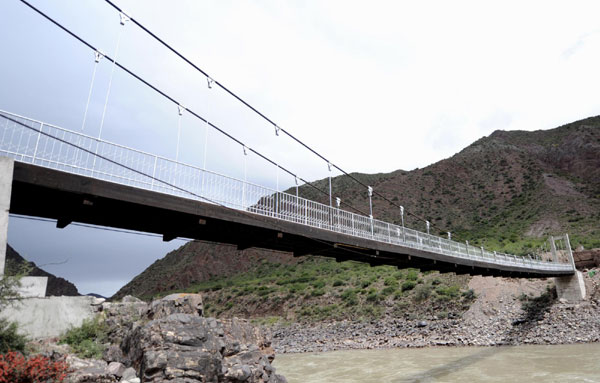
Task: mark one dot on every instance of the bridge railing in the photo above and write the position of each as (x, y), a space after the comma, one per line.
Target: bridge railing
(50, 146)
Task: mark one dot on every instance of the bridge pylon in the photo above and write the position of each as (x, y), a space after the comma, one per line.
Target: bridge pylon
(569, 287)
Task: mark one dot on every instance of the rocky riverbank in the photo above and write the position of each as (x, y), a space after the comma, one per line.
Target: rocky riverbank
(506, 312)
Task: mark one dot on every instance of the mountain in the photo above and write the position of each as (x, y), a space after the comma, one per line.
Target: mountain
(57, 286)
(197, 261)
(507, 191)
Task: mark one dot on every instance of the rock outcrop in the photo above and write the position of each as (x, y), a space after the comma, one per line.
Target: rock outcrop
(169, 340)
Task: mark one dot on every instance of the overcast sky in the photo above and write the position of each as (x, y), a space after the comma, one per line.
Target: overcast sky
(375, 86)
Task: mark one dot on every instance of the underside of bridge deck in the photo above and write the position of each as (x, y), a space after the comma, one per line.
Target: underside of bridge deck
(48, 193)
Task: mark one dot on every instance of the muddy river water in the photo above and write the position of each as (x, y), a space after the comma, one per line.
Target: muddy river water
(563, 363)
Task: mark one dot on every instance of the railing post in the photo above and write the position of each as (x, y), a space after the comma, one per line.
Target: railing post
(153, 173)
(306, 212)
(37, 142)
(467, 247)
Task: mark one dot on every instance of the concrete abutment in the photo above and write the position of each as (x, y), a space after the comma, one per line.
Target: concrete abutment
(570, 287)
(30, 286)
(6, 177)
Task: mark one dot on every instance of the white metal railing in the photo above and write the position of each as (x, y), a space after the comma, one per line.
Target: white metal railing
(50, 146)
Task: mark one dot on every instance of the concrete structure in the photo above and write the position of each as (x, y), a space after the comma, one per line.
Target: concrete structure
(571, 288)
(33, 287)
(30, 286)
(6, 177)
(49, 317)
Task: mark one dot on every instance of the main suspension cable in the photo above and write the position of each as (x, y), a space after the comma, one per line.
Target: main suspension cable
(255, 110)
(165, 95)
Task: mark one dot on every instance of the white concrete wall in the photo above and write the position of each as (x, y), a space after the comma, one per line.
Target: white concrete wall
(33, 287)
(49, 317)
(6, 176)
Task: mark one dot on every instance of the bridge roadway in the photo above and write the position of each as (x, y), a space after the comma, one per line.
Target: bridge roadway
(44, 192)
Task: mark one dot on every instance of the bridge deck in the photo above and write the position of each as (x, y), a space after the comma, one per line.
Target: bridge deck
(66, 197)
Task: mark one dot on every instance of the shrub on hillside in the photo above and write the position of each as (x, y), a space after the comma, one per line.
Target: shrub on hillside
(412, 275)
(408, 285)
(9, 338)
(422, 292)
(87, 340)
(15, 368)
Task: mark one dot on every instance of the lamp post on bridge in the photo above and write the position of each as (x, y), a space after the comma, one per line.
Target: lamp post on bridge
(402, 219)
(370, 192)
(338, 202)
(245, 149)
(329, 168)
(297, 200)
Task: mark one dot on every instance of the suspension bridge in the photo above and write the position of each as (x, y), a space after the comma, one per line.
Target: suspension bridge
(71, 177)
(66, 175)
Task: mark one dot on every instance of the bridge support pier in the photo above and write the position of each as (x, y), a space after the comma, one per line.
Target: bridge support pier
(6, 176)
(571, 287)
(30, 286)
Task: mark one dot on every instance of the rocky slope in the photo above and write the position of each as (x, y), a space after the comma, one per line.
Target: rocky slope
(506, 312)
(57, 286)
(507, 191)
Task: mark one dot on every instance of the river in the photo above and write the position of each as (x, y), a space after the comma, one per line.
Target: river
(564, 363)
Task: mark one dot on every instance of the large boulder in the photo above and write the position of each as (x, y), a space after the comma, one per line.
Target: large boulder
(176, 344)
(176, 303)
(119, 317)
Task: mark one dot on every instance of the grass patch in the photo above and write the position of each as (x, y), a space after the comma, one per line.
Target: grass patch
(87, 340)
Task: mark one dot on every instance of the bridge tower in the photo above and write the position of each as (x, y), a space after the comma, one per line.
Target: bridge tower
(570, 287)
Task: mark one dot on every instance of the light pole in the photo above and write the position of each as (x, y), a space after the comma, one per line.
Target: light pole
(370, 191)
(402, 219)
(329, 167)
